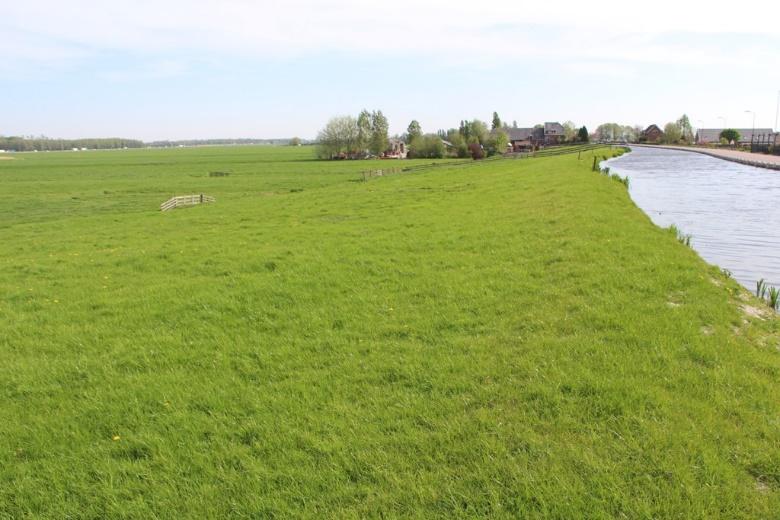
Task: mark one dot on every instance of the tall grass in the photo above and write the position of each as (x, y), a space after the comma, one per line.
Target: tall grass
(768, 293)
(761, 289)
(683, 238)
(773, 298)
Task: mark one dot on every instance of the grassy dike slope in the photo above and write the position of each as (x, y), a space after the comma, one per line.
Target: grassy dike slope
(503, 339)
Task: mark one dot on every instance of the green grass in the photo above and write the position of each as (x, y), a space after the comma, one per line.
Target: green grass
(507, 339)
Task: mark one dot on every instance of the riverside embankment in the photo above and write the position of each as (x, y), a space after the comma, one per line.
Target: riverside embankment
(759, 160)
(730, 209)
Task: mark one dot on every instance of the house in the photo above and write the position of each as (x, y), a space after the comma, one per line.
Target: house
(652, 134)
(553, 134)
(523, 139)
(396, 149)
(712, 135)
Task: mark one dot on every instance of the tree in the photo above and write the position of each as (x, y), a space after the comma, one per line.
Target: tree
(478, 131)
(379, 128)
(295, 141)
(340, 136)
(413, 131)
(672, 133)
(514, 123)
(465, 129)
(458, 142)
(686, 131)
(474, 131)
(497, 142)
(496, 121)
(582, 135)
(569, 131)
(637, 132)
(609, 131)
(429, 146)
(364, 130)
(730, 135)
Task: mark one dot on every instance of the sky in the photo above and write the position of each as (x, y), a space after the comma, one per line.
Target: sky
(189, 69)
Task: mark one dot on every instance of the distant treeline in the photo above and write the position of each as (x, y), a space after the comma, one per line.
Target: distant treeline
(42, 144)
(217, 142)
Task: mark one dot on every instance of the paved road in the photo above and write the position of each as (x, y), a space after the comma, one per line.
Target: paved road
(753, 159)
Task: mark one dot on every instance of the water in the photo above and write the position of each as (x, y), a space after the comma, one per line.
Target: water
(731, 210)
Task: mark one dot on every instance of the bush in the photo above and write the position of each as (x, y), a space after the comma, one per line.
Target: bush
(476, 151)
(428, 146)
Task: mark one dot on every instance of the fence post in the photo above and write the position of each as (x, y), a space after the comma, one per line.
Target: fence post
(594, 163)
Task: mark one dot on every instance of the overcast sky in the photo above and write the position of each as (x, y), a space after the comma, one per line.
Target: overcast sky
(174, 69)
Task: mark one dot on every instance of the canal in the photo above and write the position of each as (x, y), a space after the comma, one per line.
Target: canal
(732, 211)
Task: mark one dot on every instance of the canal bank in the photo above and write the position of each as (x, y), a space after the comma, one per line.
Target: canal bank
(771, 162)
(728, 208)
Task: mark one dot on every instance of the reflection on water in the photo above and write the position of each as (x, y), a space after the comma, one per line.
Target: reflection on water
(732, 210)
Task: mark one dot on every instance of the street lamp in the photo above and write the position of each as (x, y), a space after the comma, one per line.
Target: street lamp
(754, 118)
(777, 128)
(753, 130)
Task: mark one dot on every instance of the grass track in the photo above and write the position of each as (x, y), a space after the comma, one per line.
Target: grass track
(513, 338)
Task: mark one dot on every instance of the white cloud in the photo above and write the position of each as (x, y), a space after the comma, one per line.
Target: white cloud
(269, 28)
(670, 55)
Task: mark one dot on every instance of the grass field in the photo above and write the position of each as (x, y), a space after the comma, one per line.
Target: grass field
(505, 339)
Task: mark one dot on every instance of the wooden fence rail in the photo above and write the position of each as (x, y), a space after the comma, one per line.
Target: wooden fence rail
(186, 200)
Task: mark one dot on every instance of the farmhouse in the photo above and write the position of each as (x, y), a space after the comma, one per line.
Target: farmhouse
(652, 134)
(396, 149)
(523, 139)
(553, 134)
(712, 135)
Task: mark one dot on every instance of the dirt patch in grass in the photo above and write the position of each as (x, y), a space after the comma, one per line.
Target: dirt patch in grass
(755, 312)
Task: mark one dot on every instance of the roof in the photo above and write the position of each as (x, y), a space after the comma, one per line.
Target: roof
(553, 128)
(713, 134)
(652, 128)
(524, 134)
(520, 134)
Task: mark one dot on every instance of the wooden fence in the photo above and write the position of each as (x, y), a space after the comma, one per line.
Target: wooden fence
(367, 174)
(546, 152)
(186, 200)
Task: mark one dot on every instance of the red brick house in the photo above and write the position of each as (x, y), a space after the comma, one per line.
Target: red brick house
(652, 134)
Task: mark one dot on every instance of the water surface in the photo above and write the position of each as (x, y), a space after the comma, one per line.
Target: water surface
(731, 210)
